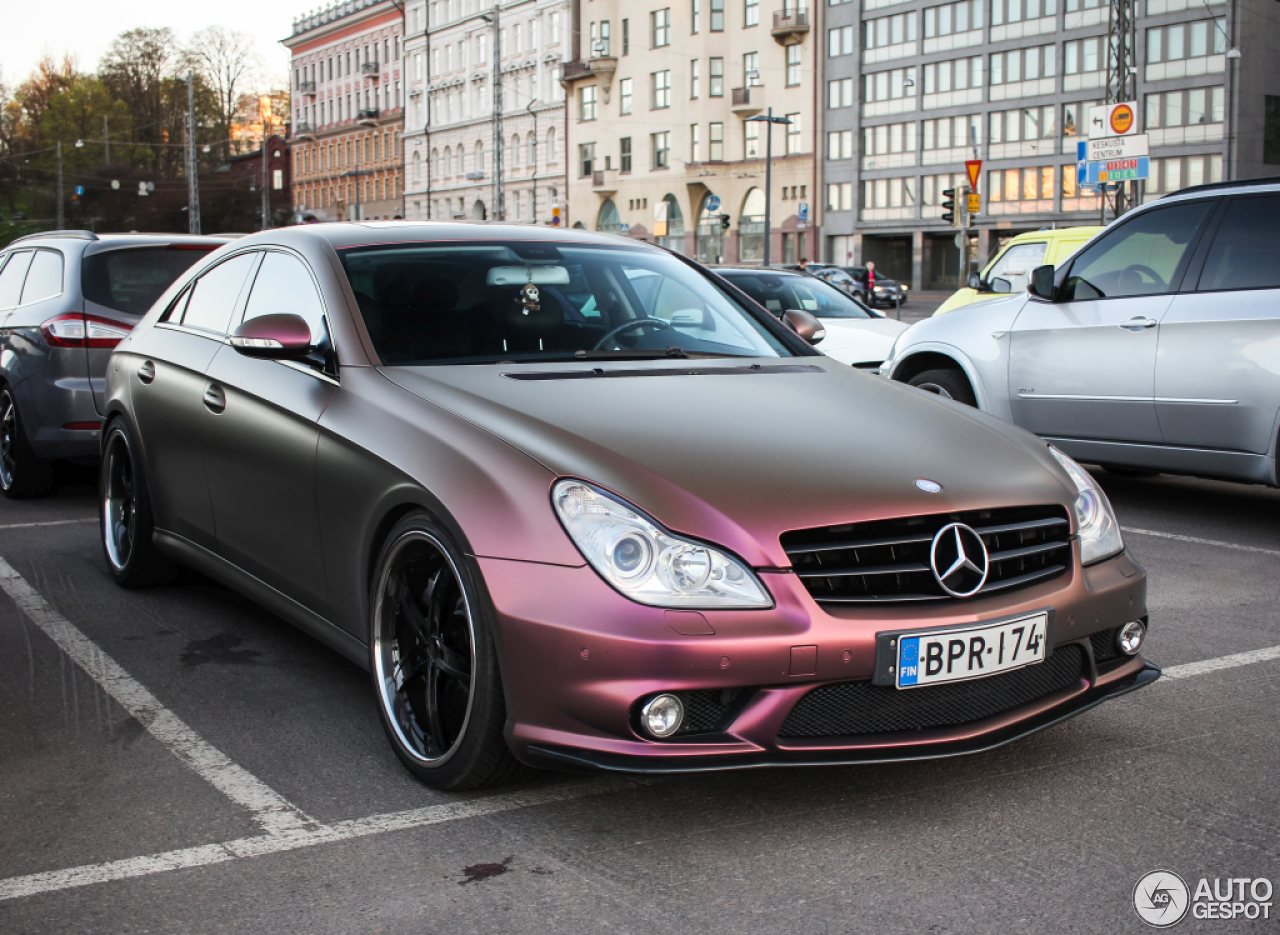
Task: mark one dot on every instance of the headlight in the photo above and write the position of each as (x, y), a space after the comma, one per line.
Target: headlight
(1099, 531)
(644, 561)
(879, 288)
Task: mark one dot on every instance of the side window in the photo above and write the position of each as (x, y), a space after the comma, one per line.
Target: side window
(1141, 257)
(284, 285)
(1017, 263)
(214, 297)
(44, 281)
(11, 277)
(1245, 250)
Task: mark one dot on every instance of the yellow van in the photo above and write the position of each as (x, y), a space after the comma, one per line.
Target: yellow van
(1015, 262)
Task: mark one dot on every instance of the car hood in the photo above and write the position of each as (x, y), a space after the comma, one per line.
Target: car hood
(860, 340)
(738, 458)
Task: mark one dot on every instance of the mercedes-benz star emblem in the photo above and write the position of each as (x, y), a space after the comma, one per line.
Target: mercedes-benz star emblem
(959, 560)
(929, 486)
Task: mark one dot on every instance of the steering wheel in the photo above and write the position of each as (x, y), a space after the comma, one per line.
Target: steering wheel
(1141, 268)
(657, 323)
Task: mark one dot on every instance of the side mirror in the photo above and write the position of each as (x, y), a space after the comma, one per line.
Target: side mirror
(274, 337)
(804, 324)
(975, 282)
(1003, 286)
(1041, 283)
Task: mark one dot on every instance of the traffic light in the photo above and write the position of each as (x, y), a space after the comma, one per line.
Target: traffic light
(949, 205)
(724, 222)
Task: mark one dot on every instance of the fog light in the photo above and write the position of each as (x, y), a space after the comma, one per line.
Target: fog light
(1129, 639)
(662, 716)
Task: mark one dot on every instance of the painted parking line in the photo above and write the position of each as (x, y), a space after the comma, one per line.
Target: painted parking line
(49, 522)
(208, 854)
(1189, 669)
(269, 808)
(1198, 541)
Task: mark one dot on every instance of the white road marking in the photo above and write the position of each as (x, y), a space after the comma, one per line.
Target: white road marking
(1188, 669)
(207, 854)
(49, 522)
(269, 808)
(1198, 541)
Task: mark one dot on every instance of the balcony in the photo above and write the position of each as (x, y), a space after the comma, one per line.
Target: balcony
(600, 186)
(790, 26)
(742, 105)
(307, 87)
(368, 114)
(370, 69)
(576, 71)
(303, 131)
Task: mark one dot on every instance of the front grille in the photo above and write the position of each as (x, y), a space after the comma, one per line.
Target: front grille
(888, 560)
(1104, 645)
(849, 709)
(708, 709)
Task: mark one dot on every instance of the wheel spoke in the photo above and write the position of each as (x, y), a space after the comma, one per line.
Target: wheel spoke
(431, 699)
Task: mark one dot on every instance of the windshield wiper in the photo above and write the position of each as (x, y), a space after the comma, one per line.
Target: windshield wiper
(671, 353)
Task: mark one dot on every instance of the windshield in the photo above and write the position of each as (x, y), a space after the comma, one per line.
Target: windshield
(779, 292)
(131, 279)
(485, 302)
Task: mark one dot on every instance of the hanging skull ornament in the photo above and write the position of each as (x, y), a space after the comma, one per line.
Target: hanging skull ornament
(528, 298)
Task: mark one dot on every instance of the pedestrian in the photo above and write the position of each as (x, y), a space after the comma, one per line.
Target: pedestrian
(871, 275)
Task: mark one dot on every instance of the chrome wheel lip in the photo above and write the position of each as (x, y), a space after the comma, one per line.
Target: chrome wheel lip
(935, 389)
(8, 438)
(384, 648)
(117, 505)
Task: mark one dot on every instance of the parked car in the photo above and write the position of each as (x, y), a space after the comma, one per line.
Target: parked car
(855, 334)
(1010, 269)
(569, 522)
(838, 278)
(1156, 347)
(886, 292)
(66, 299)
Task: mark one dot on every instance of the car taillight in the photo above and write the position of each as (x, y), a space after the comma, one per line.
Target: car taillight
(76, 330)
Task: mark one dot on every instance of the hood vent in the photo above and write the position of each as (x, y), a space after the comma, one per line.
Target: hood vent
(664, 372)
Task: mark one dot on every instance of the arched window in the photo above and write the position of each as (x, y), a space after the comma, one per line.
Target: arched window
(609, 221)
(751, 228)
(477, 210)
(533, 153)
(552, 156)
(709, 242)
(479, 157)
(446, 167)
(674, 237)
(417, 166)
(515, 151)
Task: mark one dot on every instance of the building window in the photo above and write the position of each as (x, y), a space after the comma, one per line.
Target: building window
(1023, 65)
(1022, 125)
(1080, 56)
(695, 143)
(717, 15)
(624, 96)
(1015, 11)
(1186, 40)
(1184, 108)
(552, 155)
(840, 143)
(751, 70)
(626, 36)
(661, 149)
(889, 30)
(695, 15)
(954, 18)
(660, 85)
(956, 75)
(839, 41)
(750, 140)
(751, 13)
(624, 158)
(661, 23)
(694, 79)
(883, 147)
(1021, 185)
(840, 93)
(793, 65)
(793, 134)
(892, 85)
(717, 78)
(715, 142)
(840, 196)
(587, 103)
(1169, 175)
(883, 195)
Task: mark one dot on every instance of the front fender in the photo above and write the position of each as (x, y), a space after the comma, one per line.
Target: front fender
(986, 401)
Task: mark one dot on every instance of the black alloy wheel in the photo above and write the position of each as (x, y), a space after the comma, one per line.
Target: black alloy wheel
(22, 474)
(125, 514)
(947, 383)
(434, 667)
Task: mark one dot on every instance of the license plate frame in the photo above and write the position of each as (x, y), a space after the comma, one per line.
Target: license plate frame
(889, 645)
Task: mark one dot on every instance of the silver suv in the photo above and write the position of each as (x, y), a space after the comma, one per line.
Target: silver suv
(1155, 347)
(66, 299)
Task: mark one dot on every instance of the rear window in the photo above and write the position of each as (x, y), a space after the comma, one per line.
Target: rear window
(130, 280)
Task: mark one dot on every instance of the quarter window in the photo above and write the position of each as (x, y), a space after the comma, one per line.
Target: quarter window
(11, 278)
(44, 280)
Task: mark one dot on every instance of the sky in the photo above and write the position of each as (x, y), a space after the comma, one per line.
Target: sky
(84, 28)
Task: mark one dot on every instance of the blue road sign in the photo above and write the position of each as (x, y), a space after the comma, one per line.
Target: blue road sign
(713, 203)
(79, 189)
(1117, 170)
(804, 211)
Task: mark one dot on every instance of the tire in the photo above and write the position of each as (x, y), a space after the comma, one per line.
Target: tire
(22, 474)
(445, 718)
(947, 383)
(125, 520)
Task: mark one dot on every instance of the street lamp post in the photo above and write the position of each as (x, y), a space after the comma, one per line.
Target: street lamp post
(769, 120)
(357, 173)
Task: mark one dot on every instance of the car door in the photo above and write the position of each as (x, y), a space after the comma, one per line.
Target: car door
(1083, 366)
(260, 438)
(1218, 361)
(167, 392)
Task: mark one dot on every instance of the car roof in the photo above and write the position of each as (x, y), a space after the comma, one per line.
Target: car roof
(1083, 232)
(347, 234)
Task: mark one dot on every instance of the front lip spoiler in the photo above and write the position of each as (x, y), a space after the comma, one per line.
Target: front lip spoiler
(568, 758)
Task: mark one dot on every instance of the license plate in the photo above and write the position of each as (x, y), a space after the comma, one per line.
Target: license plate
(970, 652)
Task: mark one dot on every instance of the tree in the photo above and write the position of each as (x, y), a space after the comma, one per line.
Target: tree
(135, 68)
(227, 61)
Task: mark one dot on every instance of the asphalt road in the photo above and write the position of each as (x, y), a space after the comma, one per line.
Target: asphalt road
(285, 811)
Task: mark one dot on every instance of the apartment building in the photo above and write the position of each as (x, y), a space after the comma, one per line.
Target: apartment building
(347, 106)
(661, 145)
(452, 139)
(913, 89)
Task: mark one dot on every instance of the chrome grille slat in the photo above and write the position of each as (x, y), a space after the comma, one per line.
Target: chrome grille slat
(887, 561)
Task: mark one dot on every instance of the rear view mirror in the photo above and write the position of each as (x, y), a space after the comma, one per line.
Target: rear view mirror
(523, 275)
(975, 282)
(1041, 283)
(804, 324)
(274, 337)
(1001, 285)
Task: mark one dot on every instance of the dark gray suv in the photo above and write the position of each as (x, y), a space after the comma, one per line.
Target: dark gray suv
(66, 299)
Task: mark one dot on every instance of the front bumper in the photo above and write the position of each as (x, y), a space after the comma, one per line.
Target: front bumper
(578, 660)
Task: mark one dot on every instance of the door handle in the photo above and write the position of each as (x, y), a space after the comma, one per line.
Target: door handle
(147, 372)
(215, 400)
(1138, 324)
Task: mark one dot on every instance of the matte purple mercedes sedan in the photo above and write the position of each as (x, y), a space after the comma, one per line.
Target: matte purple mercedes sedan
(576, 501)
